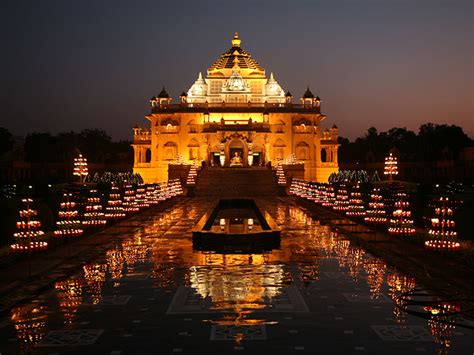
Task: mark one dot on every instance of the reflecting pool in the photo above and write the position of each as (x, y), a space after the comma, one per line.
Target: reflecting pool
(151, 292)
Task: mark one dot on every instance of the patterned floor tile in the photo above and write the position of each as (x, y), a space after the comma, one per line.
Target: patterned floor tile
(233, 332)
(71, 337)
(405, 333)
(365, 297)
(186, 301)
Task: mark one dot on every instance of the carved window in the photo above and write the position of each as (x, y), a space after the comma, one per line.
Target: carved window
(170, 151)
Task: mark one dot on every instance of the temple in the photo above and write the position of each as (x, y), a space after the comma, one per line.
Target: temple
(235, 117)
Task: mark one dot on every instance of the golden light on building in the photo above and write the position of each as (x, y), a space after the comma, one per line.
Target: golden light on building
(235, 115)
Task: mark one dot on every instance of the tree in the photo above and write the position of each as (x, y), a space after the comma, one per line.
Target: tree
(433, 138)
(6, 141)
(95, 143)
(41, 148)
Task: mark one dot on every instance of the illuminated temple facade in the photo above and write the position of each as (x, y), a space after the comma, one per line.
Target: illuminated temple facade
(236, 116)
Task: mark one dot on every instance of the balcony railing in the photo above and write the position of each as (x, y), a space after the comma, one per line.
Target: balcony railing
(235, 105)
(141, 139)
(236, 125)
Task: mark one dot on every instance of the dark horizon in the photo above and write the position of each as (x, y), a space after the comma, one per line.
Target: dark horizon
(71, 66)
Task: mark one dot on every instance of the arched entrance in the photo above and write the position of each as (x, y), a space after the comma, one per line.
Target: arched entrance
(236, 153)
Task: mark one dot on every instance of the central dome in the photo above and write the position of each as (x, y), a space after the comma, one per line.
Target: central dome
(236, 82)
(227, 59)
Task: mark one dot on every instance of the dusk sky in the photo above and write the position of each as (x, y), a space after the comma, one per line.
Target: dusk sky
(70, 65)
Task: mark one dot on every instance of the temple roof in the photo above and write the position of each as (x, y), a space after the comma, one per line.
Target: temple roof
(244, 59)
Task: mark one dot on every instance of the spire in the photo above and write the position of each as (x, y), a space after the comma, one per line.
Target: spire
(200, 79)
(271, 77)
(236, 41)
(163, 93)
(308, 94)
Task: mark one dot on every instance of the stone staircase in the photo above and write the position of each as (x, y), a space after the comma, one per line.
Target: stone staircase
(236, 182)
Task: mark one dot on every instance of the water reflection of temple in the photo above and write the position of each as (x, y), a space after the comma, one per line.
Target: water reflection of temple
(375, 269)
(355, 261)
(237, 283)
(30, 325)
(115, 263)
(134, 251)
(69, 298)
(399, 285)
(94, 276)
(441, 323)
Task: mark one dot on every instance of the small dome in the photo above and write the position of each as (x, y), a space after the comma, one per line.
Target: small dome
(163, 94)
(308, 94)
(199, 88)
(272, 87)
(288, 94)
(236, 82)
(136, 126)
(153, 98)
(183, 94)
